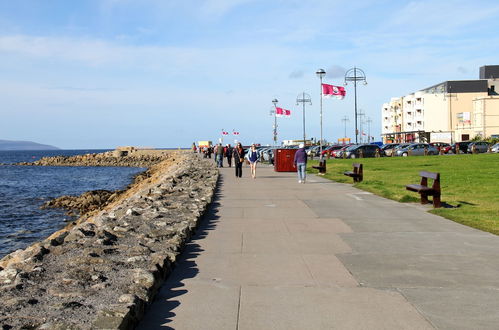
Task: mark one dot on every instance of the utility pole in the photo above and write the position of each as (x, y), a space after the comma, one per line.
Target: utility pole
(361, 114)
(345, 120)
(369, 121)
(303, 98)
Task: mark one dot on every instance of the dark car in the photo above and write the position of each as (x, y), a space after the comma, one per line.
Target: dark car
(460, 147)
(478, 146)
(363, 151)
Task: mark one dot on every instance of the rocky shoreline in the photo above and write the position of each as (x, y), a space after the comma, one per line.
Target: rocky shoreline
(101, 271)
(101, 159)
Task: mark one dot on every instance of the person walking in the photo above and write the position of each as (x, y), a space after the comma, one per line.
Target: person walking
(300, 161)
(238, 154)
(253, 158)
(228, 154)
(219, 155)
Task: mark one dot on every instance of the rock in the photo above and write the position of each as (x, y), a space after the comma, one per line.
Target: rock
(7, 276)
(143, 277)
(103, 268)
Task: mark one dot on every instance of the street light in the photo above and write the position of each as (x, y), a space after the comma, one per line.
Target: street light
(305, 98)
(355, 74)
(275, 101)
(320, 73)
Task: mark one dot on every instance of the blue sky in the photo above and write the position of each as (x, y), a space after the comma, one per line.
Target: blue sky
(99, 74)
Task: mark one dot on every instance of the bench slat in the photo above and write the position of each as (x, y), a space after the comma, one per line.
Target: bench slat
(431, 175)
(418, 187)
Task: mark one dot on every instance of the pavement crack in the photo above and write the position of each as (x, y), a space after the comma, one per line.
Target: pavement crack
(239, 307)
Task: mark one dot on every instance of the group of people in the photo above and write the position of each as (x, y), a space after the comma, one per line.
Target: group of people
(239, 155)
(252, 156)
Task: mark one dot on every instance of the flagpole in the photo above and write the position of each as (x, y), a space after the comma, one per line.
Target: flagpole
(320, 73)
(275, 101)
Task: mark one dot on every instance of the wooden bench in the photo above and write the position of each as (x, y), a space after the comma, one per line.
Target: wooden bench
(321, 167)
(357, 174)
(424, 190)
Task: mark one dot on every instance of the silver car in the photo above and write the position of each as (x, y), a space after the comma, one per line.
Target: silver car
(495, 148)
(417, 149)
(480, 146)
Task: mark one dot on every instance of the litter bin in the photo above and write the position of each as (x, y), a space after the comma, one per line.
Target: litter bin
(283, 160)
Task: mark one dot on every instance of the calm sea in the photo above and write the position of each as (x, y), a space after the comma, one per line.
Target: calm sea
(23, 189)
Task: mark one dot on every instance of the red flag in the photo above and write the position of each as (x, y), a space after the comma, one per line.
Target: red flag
(280, 112)
(234, 132)
(225, 133)
(333, 91)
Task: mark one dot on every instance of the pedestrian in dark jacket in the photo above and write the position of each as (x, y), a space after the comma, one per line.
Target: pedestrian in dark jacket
(238, 159)
(228, 154)
(300, 161)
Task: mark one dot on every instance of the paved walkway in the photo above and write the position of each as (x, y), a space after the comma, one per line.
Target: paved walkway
(275, 254)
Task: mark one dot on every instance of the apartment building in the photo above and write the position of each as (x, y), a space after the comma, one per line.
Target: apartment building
(450, 111)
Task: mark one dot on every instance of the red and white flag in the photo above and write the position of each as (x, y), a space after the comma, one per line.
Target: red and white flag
(280, 112)
(333, 91)
(234, 132)
(224, 132)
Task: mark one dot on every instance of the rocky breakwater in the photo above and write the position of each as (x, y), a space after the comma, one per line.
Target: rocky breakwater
(99, 159)
(102, 272)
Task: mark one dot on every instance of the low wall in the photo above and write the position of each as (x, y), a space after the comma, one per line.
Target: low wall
(102, 272)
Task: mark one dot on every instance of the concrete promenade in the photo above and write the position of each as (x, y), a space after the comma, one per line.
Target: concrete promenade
(275, 254)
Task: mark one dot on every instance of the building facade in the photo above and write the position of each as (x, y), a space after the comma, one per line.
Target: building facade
(451, 111)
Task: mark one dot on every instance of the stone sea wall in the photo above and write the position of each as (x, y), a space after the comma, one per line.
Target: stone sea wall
(102, 271)
(101, 159)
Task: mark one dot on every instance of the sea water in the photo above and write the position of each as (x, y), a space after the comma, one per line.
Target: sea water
(23, 189)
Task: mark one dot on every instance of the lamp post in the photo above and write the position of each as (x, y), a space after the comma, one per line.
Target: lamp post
(275, 101)
(320, 73)
(303, 98)
(355, 74)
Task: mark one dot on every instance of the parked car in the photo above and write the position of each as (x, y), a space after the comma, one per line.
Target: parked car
(400, 146)
(495, 148)
(339, 152)
(479, 146)
(417, 149)
(463, 147)
(330, 149)
(441, 146)
(315, 151)
(363, 150)
(388, 148)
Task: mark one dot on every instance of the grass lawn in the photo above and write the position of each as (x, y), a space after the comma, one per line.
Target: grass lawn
(469, 183)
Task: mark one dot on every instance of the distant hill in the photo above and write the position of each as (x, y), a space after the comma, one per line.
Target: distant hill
(24, 145)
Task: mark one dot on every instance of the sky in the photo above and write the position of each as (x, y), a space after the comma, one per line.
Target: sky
(163, 73)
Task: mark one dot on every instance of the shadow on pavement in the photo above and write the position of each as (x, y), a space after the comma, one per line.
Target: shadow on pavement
(161, 312)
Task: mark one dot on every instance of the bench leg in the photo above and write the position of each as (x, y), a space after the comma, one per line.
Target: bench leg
(436, 201)
(424, 198)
